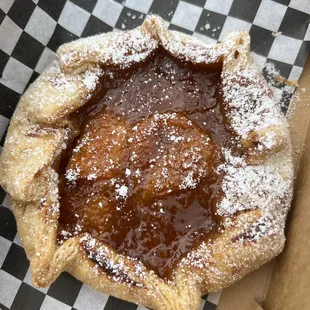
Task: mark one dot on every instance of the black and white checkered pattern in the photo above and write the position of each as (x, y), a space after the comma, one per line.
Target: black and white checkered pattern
(30, 33)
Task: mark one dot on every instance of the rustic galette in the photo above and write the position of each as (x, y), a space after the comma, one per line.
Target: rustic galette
(150, 165)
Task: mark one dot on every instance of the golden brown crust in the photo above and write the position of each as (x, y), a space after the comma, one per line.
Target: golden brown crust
(42, 125)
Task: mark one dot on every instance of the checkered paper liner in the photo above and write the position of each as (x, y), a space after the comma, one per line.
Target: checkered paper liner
(30, 33)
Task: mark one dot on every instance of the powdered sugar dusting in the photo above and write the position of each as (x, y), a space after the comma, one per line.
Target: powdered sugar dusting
(117, 48)
(252, 107)
(248, 187)
(193, 51)
(122, 269)
(55, 94)
(90, 78)
(72, 175)
(189, 182)
(127, 47)
(122, 191)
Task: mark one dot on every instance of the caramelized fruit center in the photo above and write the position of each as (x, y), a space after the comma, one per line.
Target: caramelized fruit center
(141, 176)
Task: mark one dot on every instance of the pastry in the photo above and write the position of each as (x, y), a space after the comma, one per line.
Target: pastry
(149, 165)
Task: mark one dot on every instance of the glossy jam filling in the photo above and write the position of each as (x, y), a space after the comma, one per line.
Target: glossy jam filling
(141, 176)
